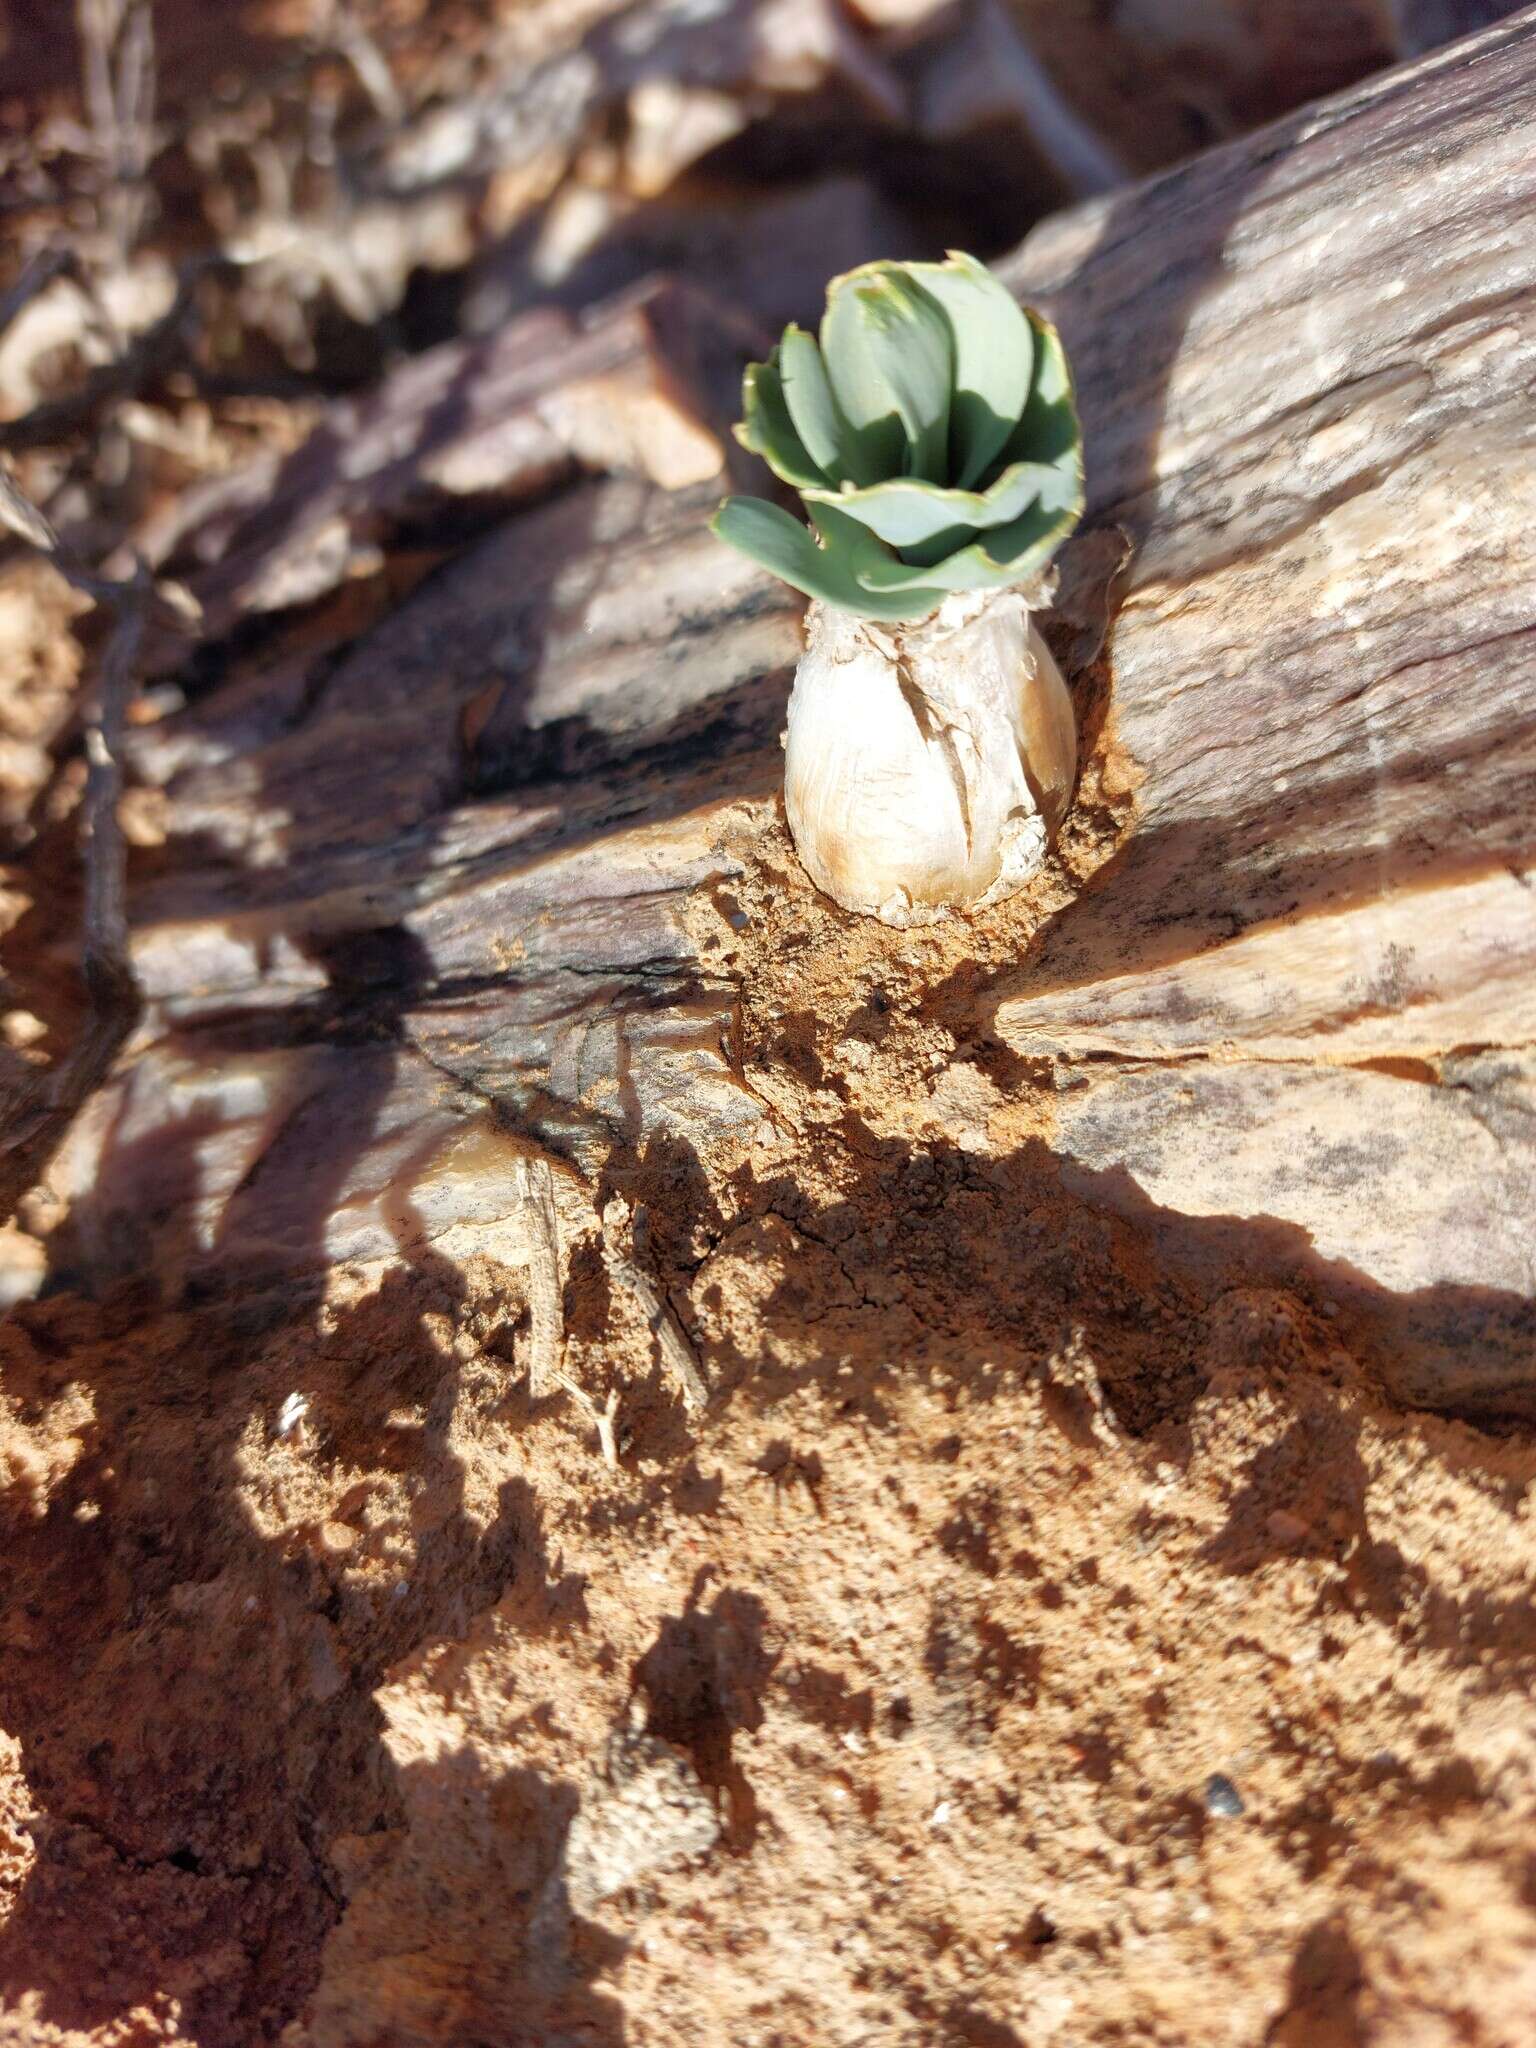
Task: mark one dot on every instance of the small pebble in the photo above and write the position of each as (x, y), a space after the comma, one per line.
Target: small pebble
(1222, 1797)
(293, 1411)
(19, 1028)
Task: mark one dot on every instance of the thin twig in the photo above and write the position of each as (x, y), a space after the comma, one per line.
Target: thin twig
(21, 517)
(105, 962)
(344, 28)
(602, 1419)
(39, 1120)
(171, 602)
(117, 44)
(40, 1123)
(676, 1352)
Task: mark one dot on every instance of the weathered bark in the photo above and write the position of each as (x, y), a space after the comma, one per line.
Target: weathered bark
(640, 388)
(470, 859)
(1316, 422)
(464, 868)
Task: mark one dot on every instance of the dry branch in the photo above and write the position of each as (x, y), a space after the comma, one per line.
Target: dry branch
(676, 1353)
(546, 1313)
(603, 1420)
(35, 1121)
(46, 267)
(117, 42)
(35, 1124)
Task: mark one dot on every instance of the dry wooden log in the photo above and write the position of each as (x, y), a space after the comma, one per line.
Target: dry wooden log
(461, 872)
(644, 387)
(1317, 426)
(610, 678)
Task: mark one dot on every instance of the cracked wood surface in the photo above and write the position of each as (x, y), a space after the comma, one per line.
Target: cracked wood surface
(1325, 667)
(454, 873)
(1325, 661)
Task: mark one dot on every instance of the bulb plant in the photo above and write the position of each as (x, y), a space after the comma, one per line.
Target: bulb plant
(932, 436)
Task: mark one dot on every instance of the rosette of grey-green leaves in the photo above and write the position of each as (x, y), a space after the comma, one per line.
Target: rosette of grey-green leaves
(931, 434)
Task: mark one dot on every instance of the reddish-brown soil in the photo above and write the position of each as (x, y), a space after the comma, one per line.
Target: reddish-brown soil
(1030, 1645)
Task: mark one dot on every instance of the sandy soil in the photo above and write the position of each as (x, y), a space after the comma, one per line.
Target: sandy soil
(1031, 1644)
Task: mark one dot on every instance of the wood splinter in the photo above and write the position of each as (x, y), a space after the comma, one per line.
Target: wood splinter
(546, 1310)
(604, 1420)
(676, 1352)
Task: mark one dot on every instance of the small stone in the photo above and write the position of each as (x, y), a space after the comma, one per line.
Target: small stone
(1287, 1528)
(646, 1811)
(293, 1411)
(19, 1028)
(1222, 1797)
(336, 1539)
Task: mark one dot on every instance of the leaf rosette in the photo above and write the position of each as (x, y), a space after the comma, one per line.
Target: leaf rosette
(931, 433)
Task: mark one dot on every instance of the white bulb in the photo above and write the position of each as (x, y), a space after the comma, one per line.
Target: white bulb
(927, 767)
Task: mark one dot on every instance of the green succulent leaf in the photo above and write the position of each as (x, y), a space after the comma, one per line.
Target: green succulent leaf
(994, 360)
(867, 560)
(1009, 554)
(890, 357)
(769, 431)
(1048, 429)
(832, 572)
(907, 513)
(812, 408)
